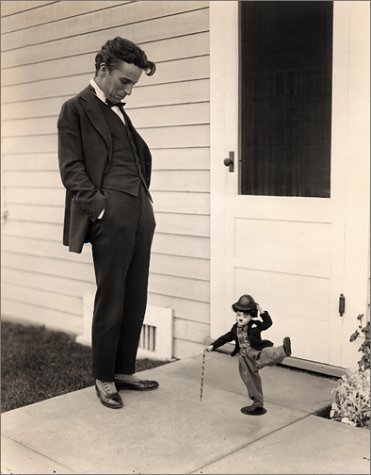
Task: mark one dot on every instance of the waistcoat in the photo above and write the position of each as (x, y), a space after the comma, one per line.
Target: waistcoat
(243, 340)
(125, 172)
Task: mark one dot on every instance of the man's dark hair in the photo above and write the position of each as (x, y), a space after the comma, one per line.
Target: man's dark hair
(113, 52)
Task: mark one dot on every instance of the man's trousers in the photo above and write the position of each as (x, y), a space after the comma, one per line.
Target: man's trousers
(121, 245)
(249, 370)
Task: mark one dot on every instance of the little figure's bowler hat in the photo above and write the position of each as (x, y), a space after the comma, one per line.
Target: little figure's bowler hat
(245, 304)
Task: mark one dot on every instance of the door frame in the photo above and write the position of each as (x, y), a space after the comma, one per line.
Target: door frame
(347, 59)
(222, 13)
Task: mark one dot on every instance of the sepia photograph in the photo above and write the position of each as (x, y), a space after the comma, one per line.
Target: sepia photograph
(185, 237)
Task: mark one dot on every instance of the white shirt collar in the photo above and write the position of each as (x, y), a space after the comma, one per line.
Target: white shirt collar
(98, 91)
(100, 94)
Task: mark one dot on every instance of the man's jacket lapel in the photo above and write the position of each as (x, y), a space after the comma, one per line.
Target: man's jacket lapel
(91, 106)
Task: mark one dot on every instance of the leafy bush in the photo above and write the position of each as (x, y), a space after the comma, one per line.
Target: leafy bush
(352, 399)
(352, 394)
(364, 362)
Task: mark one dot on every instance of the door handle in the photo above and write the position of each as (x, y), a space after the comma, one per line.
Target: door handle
(229, 162)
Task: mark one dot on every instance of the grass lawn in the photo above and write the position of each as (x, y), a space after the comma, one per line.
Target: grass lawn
(38, 364)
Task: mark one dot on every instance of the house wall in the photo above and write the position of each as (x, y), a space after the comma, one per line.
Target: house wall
(48, 51)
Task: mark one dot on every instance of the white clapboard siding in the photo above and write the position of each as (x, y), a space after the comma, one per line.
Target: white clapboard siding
(184, 114)
(167, 264)
(177, 49)
(181, 202)
(150, 30)
(179, 114)
(160, 95)
(41, 247)
(181, 136)
(30, 162)
(32, 144)
(33, 179)
(48, 51)
(181, 159)
(34, 279)
(166, 72)
(195, 90)
(47, 269)
(170, 223)
(180, 266)
(35, 214)
(186, 308)
(29, 195)
(115, 16)
(52, 14)
(34, 314)
(51, 232)
(41, 108)
(47, 236)
(193, 246)
(191, 331)
(189, 224)
(43, 298)
(9, 7)
(196, 180)
(185, 348)
(180, 287)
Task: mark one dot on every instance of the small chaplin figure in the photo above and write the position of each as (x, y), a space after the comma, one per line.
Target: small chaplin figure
(253, 352)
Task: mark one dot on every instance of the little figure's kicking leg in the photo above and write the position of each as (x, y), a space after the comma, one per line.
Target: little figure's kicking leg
(274, 354)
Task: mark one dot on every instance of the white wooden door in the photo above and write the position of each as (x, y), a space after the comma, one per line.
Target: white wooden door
(287, 252)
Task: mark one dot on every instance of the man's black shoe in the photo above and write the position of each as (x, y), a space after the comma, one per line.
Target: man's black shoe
(253, 410)
(107, 397)
(141, 385)
(287, 346)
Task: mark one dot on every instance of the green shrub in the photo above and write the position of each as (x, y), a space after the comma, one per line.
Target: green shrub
(352, 394)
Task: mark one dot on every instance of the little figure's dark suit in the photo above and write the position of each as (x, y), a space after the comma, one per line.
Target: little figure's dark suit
(253, 352)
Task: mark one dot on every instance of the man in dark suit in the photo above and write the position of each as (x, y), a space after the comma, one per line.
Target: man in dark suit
(105, 167)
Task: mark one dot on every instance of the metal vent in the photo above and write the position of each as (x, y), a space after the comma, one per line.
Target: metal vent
(156, 338)
(148, 338)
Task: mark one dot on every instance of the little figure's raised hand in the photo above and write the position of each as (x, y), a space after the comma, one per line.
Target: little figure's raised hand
(259, 308)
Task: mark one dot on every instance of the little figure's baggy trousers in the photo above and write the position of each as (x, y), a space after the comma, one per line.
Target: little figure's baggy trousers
(249, 367)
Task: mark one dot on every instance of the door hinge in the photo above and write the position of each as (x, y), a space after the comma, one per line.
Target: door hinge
(341, 304)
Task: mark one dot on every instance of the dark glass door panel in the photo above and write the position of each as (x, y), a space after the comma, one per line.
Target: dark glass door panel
(285, 98)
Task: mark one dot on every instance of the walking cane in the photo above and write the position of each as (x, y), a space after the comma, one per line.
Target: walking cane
(202, 374)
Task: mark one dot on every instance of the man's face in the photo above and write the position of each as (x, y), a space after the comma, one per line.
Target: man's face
(119, 82)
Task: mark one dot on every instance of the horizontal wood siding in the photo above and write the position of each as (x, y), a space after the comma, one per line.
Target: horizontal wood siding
(48, 51)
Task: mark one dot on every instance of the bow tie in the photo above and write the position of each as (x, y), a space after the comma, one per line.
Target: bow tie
(120, 105)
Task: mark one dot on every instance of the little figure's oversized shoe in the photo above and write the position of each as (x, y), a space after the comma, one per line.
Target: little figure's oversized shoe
(253, 410)
(287, 346)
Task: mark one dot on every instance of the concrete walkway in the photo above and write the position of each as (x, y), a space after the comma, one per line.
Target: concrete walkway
(169, 431)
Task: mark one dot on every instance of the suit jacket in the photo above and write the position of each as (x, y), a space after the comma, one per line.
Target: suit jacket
(84, 154)
(254, 329)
